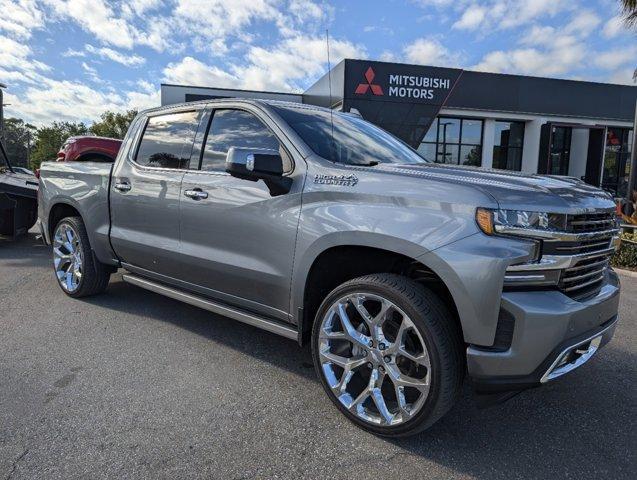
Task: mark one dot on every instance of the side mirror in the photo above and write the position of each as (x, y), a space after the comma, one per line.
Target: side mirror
(258, 164)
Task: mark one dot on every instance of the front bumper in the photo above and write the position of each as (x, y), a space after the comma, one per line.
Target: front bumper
(553, 334)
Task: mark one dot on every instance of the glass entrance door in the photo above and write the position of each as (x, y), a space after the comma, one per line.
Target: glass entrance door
(560, 150)
(617, 160)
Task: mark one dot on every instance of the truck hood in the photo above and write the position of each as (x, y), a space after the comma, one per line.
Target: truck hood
(515, 190)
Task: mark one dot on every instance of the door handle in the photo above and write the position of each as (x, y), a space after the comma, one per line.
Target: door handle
(196, 194)
(122, 186)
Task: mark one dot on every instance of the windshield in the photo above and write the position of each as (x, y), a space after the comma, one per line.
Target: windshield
(355, 142)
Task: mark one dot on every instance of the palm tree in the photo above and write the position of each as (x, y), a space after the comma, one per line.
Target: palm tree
(629, 9)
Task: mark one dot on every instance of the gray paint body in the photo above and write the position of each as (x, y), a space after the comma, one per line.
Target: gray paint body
(246, 248)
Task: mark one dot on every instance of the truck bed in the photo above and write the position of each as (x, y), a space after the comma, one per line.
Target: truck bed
(83, 186)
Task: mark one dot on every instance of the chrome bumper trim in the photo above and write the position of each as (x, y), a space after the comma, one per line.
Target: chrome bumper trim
(592, 344)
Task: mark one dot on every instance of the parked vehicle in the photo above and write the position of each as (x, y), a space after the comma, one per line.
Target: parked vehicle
(318, 226)
(89, 149)
(23, 170)
(18, 198)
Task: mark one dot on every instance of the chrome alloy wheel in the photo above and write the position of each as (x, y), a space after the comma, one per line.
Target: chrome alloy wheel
(374, 359)
(67, 257)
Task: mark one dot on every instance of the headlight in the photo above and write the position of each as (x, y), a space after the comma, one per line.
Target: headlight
(511, 221)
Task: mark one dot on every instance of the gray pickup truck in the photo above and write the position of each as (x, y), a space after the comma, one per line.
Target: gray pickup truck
(405, 276)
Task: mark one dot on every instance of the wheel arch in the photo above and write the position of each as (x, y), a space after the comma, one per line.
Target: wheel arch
(59, 211)
(337, 264)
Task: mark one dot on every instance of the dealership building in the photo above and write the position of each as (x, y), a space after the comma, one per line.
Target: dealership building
(509, 122)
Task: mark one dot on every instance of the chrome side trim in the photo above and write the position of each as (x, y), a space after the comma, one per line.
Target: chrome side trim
(594, 341)
(235, 314)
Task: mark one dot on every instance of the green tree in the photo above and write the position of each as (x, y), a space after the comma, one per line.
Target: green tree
(629, 9)
(112, 124)
(49, 139)
(18, 140)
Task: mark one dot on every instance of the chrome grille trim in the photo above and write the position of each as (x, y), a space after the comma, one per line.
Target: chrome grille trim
(583, 285)
(590, 222)
(581, 253)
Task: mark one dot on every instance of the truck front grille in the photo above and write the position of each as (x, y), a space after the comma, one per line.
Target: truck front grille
(591, 222)
(586, 277)
(575, 248)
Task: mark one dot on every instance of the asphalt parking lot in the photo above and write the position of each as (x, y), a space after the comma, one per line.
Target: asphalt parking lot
(133, 385)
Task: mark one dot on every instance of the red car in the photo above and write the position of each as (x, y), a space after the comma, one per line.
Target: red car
(89, 149)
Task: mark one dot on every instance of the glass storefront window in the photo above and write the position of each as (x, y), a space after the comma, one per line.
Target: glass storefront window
(456, 141)
(472, 132)
(617, 160)
(507, 145)
(560, 150)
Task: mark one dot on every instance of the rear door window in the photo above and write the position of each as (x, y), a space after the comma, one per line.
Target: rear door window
(167, 140)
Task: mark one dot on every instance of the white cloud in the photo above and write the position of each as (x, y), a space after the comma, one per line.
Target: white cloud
(190, 71)
(74, 101)
(513, 13)
(220, 18)
(532, 61)
(62, 100)
(613, 27)
(139, 7)
(87, 68)
(147, 97)
(17, 64)
(583, 23)
(20, 17)
(98, 18)
(105, 52)
(70, 52)
(429, 51)
(277, 68)
(305, 10)
(613, 59)
(625, 76)
(486, 16)
(471, 19)
(293, 59)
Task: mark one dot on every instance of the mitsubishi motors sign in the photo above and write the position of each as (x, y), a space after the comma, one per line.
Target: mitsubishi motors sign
(399, 82)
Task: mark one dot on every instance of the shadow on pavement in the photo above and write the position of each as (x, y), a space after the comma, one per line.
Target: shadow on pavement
(582, 423)
(567, 426)
(24, 251)
(260, 344)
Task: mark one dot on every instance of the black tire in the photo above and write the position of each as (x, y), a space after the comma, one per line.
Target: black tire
(439, 331)
(95, 275)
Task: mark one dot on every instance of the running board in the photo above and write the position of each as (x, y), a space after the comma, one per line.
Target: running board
(250, 319)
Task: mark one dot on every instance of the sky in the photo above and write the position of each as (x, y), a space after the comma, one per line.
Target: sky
(70, 60)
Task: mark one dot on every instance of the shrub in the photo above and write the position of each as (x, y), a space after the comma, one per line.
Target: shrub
(626, 256)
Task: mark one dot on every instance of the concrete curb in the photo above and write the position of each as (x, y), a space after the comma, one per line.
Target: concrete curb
(626, 273)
